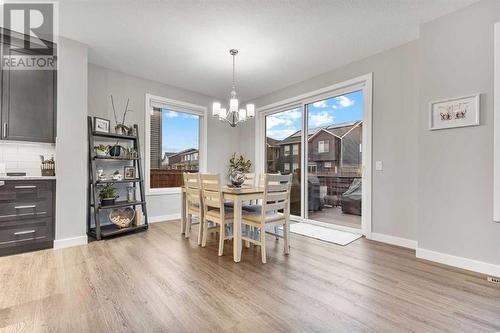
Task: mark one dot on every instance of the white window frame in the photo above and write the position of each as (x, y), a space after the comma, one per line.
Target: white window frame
(295, 152)
(286, 167)
(178, 106)
(364, 83)
(328, 165)
(295, 166)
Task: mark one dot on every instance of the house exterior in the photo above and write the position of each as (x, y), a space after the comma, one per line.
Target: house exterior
(184, 160)
(332, 150)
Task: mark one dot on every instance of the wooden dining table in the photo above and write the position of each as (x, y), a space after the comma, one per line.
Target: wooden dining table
(237, 196)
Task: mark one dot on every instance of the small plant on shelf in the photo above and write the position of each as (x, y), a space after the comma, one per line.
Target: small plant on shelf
(101, 150)
(120, 127)
(107, 193)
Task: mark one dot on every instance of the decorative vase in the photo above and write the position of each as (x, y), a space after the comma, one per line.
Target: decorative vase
(115, 151)
(118, 130)
(237, 178)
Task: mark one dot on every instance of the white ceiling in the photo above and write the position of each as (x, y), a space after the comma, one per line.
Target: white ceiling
(186, 43)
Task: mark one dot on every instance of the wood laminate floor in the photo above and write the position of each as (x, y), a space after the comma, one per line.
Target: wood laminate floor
(159, 282)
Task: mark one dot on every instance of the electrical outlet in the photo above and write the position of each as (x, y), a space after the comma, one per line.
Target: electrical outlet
(494, 279)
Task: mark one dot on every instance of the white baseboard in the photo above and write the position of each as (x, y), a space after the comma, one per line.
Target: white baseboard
(162, 218)
(460, 262)
(69, 242)
(393, 240)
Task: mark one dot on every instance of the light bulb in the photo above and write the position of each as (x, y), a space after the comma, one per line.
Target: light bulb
(233, 105)
(215, 109)
(243, 115)
(250, 110)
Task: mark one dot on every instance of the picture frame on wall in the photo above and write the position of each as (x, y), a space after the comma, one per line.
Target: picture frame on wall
(454, 112)
(101, 125)
(129, 172)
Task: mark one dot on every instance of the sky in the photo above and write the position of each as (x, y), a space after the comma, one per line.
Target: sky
(179, 131)
(336, 110)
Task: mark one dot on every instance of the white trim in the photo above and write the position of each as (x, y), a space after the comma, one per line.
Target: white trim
(181, 107)
(460, 262)
(496, 132)
(393, 240)
(365, 83)
(69, 242)
(163, 218)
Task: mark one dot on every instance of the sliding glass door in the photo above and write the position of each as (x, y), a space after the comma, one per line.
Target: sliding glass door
(283, 150)
(334, 161)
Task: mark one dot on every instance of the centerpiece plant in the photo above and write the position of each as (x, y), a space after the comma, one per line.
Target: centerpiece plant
(107, 193)
(238, 167)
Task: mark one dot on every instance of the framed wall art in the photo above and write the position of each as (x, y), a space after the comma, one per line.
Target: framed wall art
(454, 112)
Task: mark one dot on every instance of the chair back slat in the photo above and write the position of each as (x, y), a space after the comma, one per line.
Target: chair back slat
(211, 191)
(276, 193)
(249, 179)
(193, 190)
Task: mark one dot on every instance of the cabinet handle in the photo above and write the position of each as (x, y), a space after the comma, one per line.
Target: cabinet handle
(24, 207)
(20, 187)
(4, 130)
(24, 232)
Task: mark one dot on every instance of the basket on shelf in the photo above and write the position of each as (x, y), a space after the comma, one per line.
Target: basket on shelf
(122, 217)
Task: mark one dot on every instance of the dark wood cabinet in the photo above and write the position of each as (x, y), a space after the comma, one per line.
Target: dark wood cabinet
(27, 214)
(28, 98)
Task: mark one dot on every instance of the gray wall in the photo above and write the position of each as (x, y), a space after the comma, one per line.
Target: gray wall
(102, 82)
(455, 169)
(395, 106)
(71, 142)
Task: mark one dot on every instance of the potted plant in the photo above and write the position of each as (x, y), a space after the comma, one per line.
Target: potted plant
(120, 127)
(238, 166)
(101, 150)
(107, 193)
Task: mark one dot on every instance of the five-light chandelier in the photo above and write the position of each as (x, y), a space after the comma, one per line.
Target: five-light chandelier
(234, 115)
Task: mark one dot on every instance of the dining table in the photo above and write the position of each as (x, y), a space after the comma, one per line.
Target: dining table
(237, 195)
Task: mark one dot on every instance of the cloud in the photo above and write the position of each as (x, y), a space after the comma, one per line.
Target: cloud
(190, 116)
(319, 119)
(286, 118)
(344, 101)
(171, 114)
(281, 133)
(320, 104)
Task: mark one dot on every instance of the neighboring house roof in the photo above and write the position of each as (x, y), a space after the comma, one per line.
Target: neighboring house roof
(337, 130)
(272, 142)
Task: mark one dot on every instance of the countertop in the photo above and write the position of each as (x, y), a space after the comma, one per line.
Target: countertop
(4, 178)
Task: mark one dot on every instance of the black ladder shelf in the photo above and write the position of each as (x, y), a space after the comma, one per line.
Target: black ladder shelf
(99, 231)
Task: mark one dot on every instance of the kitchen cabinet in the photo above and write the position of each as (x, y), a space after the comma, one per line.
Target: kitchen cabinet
(27, 210)
(28, 98)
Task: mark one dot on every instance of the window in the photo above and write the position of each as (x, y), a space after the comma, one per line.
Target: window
(286, 167)
(174, 142)
(328, 164)
(295, 149)
(287, 150)
(295, 166)
(324, 146)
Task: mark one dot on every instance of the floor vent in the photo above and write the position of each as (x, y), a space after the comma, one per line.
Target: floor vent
(494, 279)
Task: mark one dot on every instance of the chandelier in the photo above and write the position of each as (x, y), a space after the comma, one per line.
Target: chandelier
(234, 115)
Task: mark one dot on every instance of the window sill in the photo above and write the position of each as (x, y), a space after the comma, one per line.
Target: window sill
(163, 191)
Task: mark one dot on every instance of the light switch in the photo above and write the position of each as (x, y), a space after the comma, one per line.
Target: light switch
(379, 166)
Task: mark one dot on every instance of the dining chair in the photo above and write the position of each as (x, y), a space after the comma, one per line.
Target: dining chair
(215, 211)
(194, 205)
(276, 198)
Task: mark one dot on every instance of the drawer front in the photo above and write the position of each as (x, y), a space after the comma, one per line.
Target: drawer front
(25, 199)
(37, 188)
(36, 230)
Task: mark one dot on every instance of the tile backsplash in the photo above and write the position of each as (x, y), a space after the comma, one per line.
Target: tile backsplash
(25, 157)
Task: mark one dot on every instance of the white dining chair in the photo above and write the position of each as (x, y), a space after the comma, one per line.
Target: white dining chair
(215, 211)
(194, 207)
(274, 211)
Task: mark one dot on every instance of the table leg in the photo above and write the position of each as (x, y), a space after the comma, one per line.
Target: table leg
(183, 212)
(237, 230)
